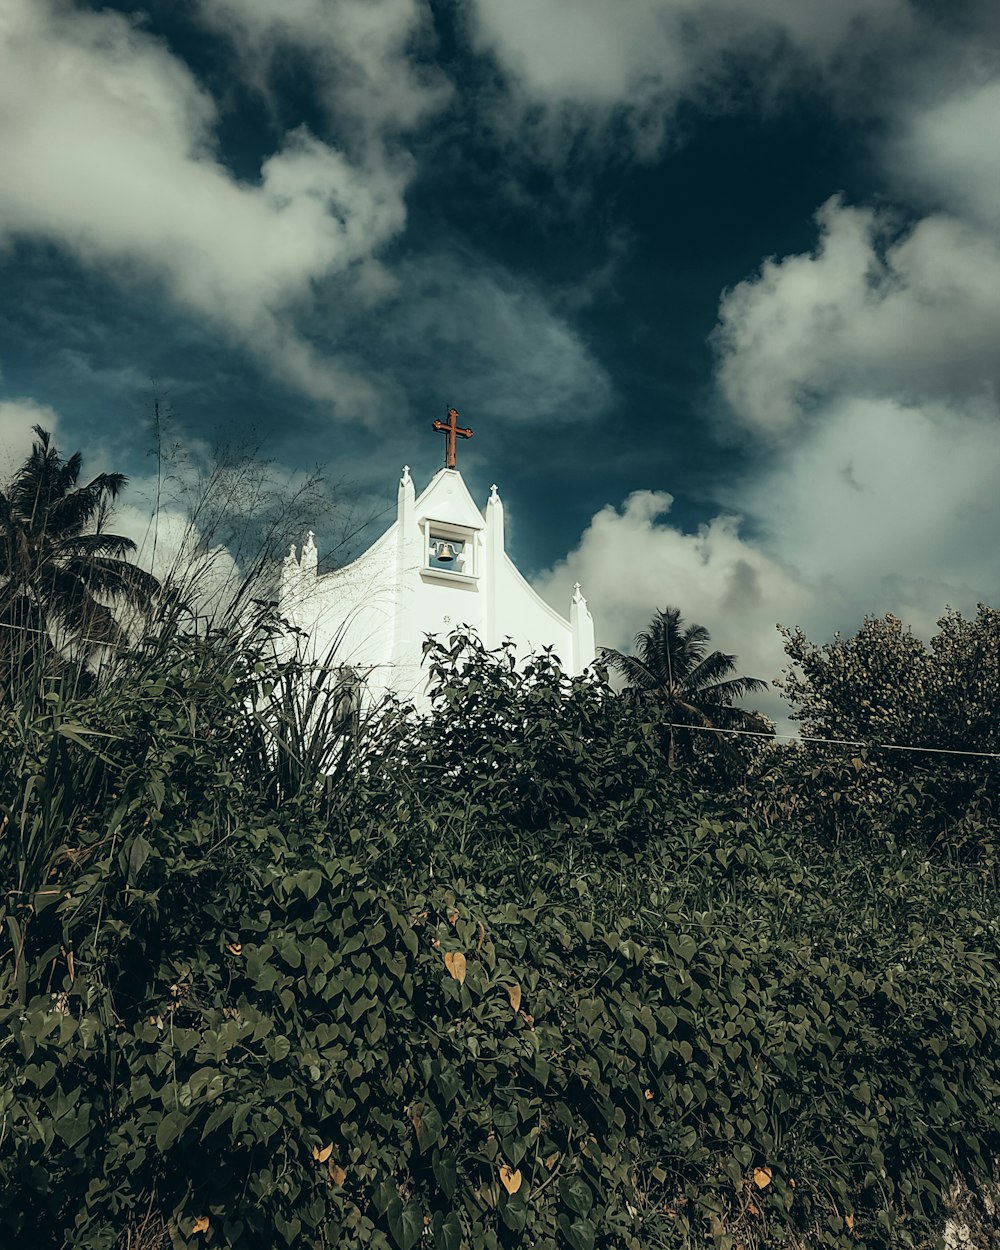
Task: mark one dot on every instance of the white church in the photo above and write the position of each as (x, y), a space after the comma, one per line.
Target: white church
(442, 565)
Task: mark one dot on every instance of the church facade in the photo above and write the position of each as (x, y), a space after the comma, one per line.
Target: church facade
(442, 565)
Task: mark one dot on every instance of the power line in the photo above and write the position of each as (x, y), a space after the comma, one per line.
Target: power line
(708, 729)
(835, 742)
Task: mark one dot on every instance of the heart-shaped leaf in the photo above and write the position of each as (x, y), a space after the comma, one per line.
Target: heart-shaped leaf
(762, 1177)
(321, 1156)
(510, 1178)
(514, 994)
(454, 961)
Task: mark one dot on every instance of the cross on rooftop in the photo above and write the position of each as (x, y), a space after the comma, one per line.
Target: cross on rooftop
(453, 431)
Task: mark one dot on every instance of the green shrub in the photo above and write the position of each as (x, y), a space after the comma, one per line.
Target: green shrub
(515, 986)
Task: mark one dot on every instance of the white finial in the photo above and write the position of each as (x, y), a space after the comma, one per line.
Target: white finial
(309, 555)
(291, 557)
(494, 495)
(405, 479)
(577, 596)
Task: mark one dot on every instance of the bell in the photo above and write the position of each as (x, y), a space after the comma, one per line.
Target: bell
(445, 552)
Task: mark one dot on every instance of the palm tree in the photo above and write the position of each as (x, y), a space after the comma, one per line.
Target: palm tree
(672, 672)
(61, 573)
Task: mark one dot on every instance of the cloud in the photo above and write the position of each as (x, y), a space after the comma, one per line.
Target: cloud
(492, 334)
(584, 63)
(909, 316)
(887, 507)
(113, 143)
(876, 508)
(17, 416)
(633, 561)
(364, 53)
(947, 152)
(172, 547)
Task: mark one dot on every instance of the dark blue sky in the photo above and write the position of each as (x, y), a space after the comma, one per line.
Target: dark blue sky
(739, 254)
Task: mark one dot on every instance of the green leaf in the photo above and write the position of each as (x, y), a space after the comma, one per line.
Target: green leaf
(169, 1129)
(139, 851)
(580, 1234)
(447, 1231)
(428, 1125)
(576, 1193)
(406, 1223)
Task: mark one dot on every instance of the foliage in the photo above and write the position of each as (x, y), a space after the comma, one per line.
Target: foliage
(883, 689)
(61, 571)
(507, 983)
(673, 673)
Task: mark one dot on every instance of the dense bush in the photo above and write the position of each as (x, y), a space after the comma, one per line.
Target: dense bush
(510, 982)
(922, 732)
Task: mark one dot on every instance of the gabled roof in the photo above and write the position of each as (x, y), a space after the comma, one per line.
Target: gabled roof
(446, 498)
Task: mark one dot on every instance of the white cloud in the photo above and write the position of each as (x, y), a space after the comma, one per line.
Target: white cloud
(585, 61)
(632, 562)
(171, 547)
(912, 318)
(876, 508)
(112, 143)
(362, 52)
(17, 416)
(887, 507)
(948, 151)
(493, 336)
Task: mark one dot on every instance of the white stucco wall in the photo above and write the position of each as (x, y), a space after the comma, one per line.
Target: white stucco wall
(375, 613)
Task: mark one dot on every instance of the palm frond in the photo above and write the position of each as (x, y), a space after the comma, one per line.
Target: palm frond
(710, 670)
(638, 675)
(70, 514)
(734, 688)
(83, 545)
(116, 578)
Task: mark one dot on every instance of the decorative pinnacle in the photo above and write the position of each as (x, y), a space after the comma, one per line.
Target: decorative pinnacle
(577, 596)
(405, 479)
(494, 495)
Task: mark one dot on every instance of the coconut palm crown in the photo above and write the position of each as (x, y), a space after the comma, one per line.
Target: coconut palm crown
(674, 671)
(61, 573)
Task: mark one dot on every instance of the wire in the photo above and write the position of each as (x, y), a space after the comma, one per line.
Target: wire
(834, 742)
(705, 729)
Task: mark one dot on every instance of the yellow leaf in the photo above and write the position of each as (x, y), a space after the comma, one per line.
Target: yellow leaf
(514, 994)
(849, 1220)
(200, 1225)
(453, 916)
(510, 1178)
(337, 1173)
(321, 1156)
(649, 1095)
(762, 1177)
(454, 961)
(234, 948)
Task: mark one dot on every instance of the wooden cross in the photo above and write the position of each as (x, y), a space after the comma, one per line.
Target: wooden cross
(453, 430)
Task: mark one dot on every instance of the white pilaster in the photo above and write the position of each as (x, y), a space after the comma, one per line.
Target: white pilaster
(582, 625)
(408, 558)
(494, 563)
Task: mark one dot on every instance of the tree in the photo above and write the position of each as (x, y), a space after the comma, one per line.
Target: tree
(62, 575)
(675, 673)
(927, 714)
(885, 685)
